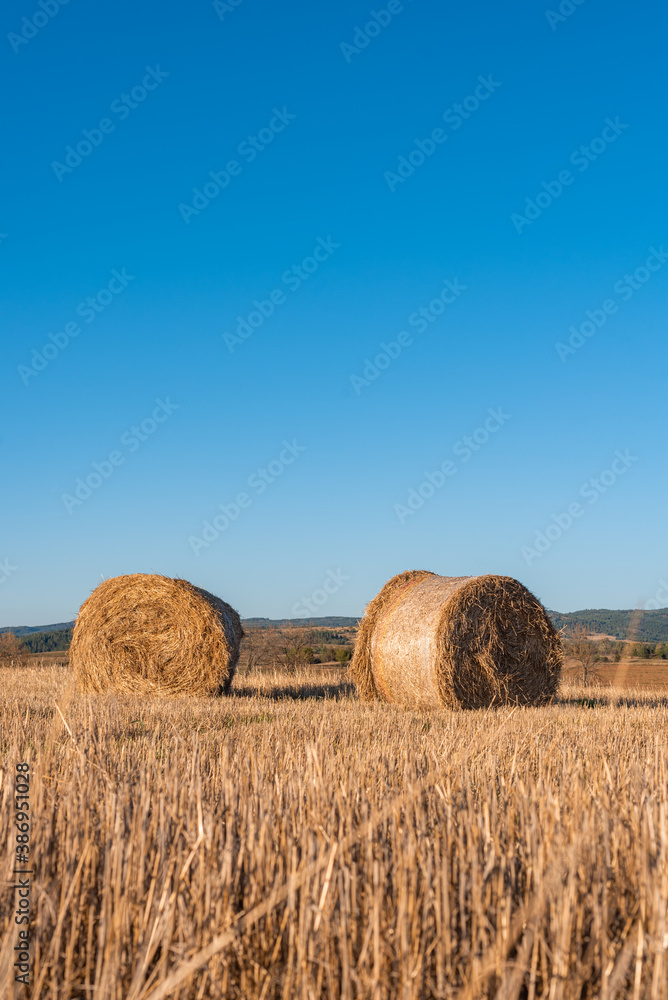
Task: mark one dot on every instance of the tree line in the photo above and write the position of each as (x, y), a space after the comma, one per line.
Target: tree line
(289, 648)
(646, 626)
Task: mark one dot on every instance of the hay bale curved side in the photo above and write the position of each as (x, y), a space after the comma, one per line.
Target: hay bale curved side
(498, 646)
(461, 642)
(361, 665)
(145, 633)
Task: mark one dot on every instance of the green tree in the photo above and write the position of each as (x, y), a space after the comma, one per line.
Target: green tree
(46, 642)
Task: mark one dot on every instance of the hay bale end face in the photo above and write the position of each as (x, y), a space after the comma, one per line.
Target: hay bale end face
(149, 634)
(429, 641)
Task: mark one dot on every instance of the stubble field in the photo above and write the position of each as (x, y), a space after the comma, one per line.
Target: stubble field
(290, 841)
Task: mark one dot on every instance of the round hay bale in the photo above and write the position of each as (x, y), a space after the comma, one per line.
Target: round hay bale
(428, 641)
(149, 634)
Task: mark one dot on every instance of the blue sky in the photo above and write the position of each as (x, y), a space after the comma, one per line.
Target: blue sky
(363, 162)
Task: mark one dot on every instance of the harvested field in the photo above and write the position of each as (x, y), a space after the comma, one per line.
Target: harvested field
(291, 841)
(627, 674)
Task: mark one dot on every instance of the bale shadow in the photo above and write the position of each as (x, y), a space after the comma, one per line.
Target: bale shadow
(578, 701)
(640, 701)
(615, 700)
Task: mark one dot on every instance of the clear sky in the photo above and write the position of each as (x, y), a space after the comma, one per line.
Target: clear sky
(299, 296)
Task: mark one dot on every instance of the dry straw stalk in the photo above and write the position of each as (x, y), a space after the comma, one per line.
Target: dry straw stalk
(149, 634)
(460, 642)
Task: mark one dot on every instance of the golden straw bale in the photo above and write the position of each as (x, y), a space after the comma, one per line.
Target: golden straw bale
(460, 642)
(149, 634)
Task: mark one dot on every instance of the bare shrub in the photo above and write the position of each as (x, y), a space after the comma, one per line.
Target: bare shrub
(12, 650)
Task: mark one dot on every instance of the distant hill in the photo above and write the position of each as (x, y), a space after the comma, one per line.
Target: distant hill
(29, 629)
(54, 638)
(331, 622)
(48, 642)
(649, 626)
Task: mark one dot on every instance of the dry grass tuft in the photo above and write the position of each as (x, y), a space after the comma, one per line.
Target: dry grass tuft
(150, 634)
(461, 642)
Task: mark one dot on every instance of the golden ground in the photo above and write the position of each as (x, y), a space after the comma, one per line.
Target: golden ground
(291, 841)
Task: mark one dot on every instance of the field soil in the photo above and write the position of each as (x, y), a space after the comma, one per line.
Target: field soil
(290, 841)
(628, 674)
